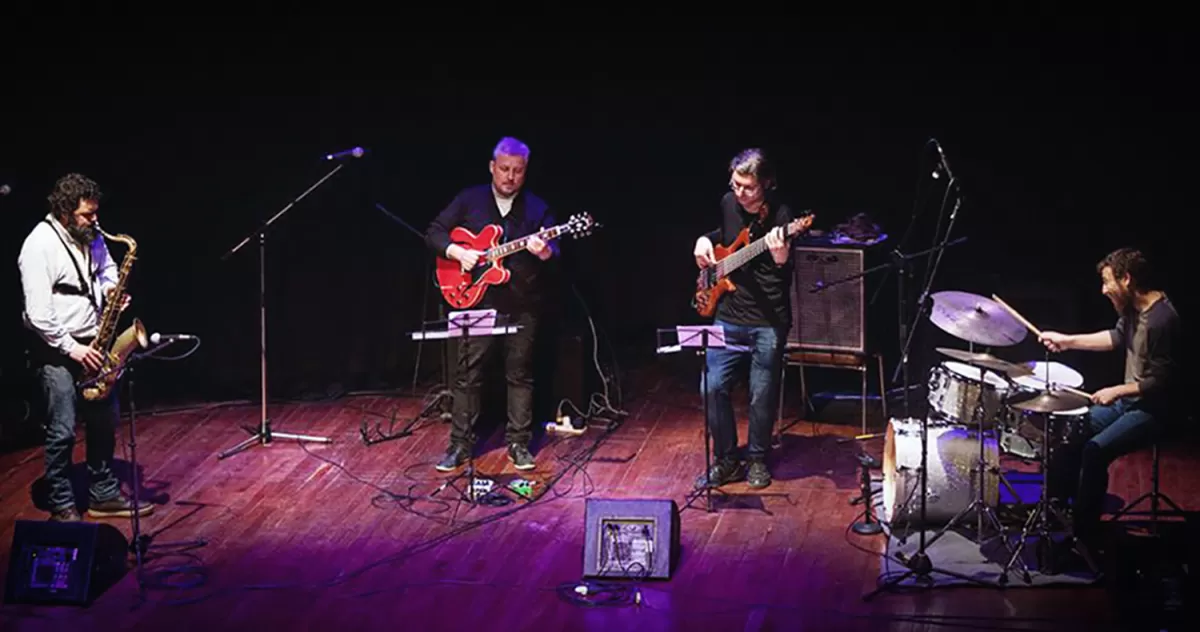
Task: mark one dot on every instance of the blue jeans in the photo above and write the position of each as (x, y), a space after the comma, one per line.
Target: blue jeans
(1119, 428)
(62, 406)
(764, 347)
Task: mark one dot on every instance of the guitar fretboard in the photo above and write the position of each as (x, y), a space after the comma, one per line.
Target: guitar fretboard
(752, 250)
(517, 245)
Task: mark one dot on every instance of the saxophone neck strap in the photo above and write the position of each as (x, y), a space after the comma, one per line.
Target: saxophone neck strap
(86, 282)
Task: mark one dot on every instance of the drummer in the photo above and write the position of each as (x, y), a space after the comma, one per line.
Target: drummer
(1127, 416)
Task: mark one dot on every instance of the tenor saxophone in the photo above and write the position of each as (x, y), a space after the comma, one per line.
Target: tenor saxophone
(97, 385)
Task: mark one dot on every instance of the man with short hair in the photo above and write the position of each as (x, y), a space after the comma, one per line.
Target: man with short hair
(520, 213)
(1127, 416)
(756, 316)
(67, 275)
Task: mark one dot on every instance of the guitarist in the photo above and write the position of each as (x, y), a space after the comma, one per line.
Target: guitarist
(756, 316)
(520, 213)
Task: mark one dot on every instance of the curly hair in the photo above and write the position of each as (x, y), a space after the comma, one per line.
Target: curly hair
(69, 190)
(1130, 261)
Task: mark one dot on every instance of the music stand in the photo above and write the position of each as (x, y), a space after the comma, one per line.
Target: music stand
(466, 325)
(264, 435)
(701, 338)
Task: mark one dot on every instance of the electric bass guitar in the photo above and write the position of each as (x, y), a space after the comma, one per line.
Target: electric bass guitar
(713, 281)
(463, 289)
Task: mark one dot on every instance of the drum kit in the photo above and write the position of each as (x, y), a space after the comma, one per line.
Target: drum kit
(980, 407)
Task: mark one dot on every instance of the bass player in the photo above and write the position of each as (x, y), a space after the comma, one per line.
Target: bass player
(502, 202)
(755, 316)
(66, 275)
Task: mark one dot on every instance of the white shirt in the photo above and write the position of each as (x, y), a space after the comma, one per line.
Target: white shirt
(504, 204)
(44, 263)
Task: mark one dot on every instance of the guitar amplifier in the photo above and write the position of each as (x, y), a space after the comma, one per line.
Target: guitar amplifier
(831, 319)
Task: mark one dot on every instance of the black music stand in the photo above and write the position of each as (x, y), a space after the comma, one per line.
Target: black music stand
(701, 338)
(264, 435)
(466, 325)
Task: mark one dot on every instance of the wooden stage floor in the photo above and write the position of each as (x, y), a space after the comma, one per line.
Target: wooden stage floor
(344, 536)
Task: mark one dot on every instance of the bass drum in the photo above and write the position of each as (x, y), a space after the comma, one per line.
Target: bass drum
(952, 460)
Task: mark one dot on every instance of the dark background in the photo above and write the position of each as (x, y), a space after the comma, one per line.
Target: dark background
(1065, 148)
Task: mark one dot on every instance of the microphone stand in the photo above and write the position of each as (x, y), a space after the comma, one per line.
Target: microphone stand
(264, 435)
(140, 543)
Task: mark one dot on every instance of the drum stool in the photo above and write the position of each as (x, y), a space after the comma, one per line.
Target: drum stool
(1154, 496)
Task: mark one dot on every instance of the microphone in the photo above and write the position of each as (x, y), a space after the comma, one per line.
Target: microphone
(357, 152)
(156, 338)
(5, 189)
(942, 155)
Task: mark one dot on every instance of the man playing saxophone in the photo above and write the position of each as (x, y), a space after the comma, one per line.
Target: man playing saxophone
(66, 276)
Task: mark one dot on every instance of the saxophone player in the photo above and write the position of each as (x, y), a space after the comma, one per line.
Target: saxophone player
(66, 275)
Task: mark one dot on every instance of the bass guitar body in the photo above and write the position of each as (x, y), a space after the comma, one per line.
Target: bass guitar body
(464, 289)
(710, 288)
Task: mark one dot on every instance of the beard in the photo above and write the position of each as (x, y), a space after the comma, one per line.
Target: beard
(85, 235)
(1122, 301)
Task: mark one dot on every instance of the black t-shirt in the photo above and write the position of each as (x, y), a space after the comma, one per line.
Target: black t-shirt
(473, 209)
(1151, 340)
(762, 294)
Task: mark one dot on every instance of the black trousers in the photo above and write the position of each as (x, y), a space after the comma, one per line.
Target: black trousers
(473, 353)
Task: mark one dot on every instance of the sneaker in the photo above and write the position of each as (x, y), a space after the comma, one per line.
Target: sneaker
(520, 457)
(456, 455)
(759, 476)
(723, 472)
(70, 514)
(119, 507)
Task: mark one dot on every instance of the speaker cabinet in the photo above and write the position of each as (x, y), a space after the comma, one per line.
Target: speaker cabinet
(630, 538)
(832, 318)
(64, 562)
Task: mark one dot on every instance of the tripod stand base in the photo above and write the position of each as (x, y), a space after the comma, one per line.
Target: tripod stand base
(867, 528)
(921, 567)
(264, 436)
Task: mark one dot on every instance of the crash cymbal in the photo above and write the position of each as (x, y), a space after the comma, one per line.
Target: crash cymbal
(975, 319)
(1050, 402)
(987, 361)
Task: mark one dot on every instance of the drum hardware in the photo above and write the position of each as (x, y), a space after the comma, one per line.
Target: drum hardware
(987, 361)
(1038, 520)
(955, 387)
(979, 504)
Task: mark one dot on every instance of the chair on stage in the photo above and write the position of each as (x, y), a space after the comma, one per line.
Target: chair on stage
(853, 361)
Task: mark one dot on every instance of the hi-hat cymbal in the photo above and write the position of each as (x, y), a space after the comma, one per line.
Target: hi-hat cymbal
(987, 361)
(975, 319)
(1051, 401)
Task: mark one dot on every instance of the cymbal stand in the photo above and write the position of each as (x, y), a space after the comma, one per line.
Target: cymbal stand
(979, 505)
(1042, 510)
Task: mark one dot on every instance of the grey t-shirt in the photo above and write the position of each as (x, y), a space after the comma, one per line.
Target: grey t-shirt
(1150, 339)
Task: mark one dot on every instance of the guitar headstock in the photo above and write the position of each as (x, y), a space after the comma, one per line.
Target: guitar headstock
(580, 224)
(800, 224)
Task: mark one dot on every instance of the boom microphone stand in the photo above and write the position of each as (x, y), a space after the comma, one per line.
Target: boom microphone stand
(264, 435)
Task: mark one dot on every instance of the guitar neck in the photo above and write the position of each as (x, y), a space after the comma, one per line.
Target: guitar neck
(740, 258)
(517, 245)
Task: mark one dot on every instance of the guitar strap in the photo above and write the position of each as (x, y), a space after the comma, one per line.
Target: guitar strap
(85, 288)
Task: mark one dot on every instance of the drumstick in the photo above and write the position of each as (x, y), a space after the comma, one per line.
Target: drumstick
(1010, 310)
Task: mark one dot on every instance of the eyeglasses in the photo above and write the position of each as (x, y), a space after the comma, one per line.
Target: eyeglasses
(743, 189)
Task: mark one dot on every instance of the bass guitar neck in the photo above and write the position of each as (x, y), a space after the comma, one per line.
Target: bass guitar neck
(713, 281)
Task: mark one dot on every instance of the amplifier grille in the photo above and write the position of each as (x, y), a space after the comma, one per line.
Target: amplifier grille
(831, 319)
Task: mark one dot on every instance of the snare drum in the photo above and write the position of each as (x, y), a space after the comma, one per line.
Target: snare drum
(955, 390)
(1024, 434)
(952, 459)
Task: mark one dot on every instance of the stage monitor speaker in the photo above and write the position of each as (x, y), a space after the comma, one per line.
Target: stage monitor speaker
(630, 538)
(64, 562)
(833, 318)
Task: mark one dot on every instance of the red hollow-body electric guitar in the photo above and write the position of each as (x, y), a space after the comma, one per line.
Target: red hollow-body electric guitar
(714, 282)
(463, 289)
